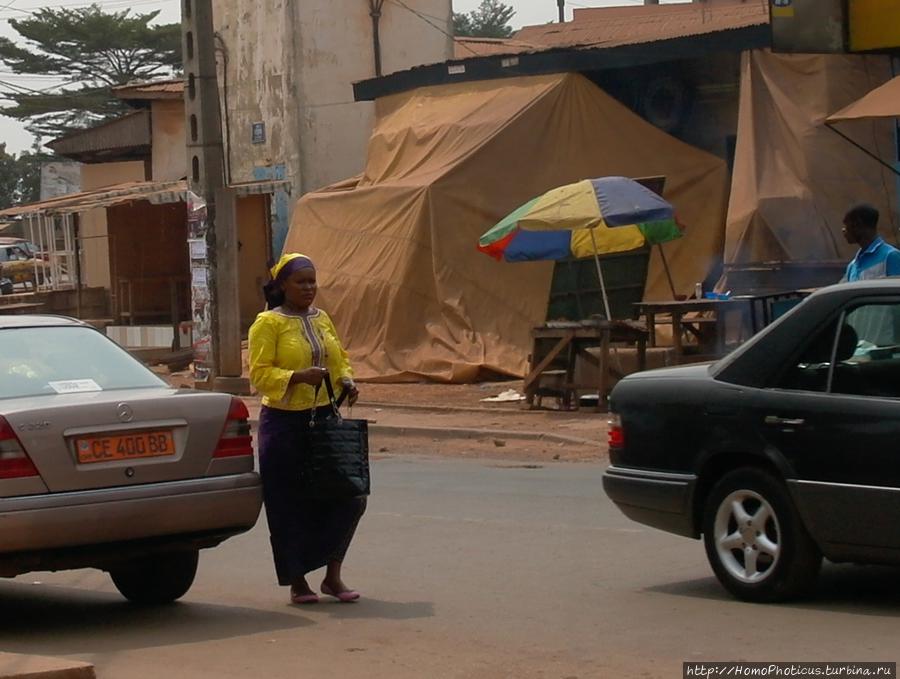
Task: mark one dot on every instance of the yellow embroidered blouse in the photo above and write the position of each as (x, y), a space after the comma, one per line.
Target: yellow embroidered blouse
(281, 343)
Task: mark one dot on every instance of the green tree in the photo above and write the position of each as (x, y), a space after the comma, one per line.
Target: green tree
(20, 176)
(30, 163)
(490, 20)
(9, 178)
(90, 51)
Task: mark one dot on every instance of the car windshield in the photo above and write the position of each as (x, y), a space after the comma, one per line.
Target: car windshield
(12, 253)
(59, 360)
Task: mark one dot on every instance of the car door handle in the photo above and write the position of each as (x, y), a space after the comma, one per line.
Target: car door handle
(785, 421)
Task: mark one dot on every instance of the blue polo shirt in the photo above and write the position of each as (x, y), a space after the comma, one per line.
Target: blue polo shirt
(879, 260)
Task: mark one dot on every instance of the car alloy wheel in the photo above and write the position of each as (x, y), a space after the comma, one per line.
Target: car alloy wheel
(755, 540)
(747, 536)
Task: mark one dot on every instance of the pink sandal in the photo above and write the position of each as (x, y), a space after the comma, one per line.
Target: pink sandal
(344, 597)
(311, 598)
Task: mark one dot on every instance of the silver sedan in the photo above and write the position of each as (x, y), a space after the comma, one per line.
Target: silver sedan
(103, 465)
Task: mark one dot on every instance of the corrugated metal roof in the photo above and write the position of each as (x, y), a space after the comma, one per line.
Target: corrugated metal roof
(480, 47)
(126, 132)
(155, 192)
(260, 187)
(598, 38)
(615, 26)
(158, 193)
(160, 89)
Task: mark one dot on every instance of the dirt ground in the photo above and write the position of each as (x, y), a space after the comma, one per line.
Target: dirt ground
(458, 423)
(518, 453)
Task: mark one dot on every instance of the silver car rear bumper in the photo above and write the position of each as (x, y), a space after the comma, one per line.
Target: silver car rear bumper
(221, 504)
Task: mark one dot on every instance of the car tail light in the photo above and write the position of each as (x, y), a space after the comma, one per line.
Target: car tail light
(616, 432)
(14, 461)
(235, 440)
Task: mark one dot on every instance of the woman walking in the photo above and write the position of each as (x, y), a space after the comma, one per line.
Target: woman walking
(293, 346)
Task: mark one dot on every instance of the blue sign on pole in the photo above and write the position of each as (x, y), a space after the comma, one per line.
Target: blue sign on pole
(258, 133)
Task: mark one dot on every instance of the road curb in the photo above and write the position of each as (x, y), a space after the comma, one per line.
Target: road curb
(446, 433)
(15, 666)
(439, 408)
(476, 433)
(500, 409)
(255, 402)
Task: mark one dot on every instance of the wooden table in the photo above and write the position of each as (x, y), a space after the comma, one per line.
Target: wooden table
(572, 340)
(675, 311)
(755, 310)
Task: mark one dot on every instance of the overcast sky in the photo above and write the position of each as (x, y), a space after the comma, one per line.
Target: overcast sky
(528, 12)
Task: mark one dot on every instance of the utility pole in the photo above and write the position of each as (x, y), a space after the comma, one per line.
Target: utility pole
(561, 5)
(375, 12)
(213, 249)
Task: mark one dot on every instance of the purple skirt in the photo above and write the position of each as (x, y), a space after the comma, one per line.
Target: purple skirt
(306, 534)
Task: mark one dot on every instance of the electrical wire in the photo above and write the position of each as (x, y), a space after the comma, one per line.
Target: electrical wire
(114, 4)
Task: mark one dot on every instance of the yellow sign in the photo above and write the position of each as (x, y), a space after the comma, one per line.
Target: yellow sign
(874, 25)
(782, 8)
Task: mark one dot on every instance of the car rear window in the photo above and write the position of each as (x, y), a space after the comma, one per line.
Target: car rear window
(58, 360)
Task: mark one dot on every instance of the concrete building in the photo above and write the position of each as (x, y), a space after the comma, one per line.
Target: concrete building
(286, 75)
(287, 70)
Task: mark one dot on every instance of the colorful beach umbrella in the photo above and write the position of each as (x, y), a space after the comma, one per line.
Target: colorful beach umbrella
(590, 217)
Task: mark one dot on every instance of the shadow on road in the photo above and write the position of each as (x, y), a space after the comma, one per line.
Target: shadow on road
(79, 619)
(701, 588)
(844, 588)
(373, 609)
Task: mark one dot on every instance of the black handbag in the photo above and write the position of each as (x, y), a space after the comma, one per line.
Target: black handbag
(334, 464)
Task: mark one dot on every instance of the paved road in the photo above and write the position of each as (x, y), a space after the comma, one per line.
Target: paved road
(471, 569)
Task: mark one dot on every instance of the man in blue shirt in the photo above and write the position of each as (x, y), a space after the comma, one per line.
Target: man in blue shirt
(875, 259)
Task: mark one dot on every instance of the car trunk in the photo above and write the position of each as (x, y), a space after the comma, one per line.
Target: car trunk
(119, 438)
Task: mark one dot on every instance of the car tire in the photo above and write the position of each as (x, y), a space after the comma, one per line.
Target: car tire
(755, 540)
(157, 579)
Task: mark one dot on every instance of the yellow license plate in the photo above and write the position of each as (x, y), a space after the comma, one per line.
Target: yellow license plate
(125, 446)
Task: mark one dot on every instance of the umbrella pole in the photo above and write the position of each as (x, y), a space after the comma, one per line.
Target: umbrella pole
(600, 276)
(665, 262)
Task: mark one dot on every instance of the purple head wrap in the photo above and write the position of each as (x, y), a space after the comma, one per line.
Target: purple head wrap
(272, 290)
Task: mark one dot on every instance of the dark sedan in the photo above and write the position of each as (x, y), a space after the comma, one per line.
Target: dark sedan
(779, 454)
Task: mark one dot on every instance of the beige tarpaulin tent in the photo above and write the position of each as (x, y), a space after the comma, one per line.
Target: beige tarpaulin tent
(882, 102)
(396, 247)
(793, 178)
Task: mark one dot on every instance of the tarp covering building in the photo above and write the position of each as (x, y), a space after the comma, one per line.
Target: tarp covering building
(794, 179)
(396, 247)
(882, 102)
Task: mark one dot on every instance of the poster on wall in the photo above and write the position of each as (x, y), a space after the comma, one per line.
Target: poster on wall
(200, 294)
(197, 249)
